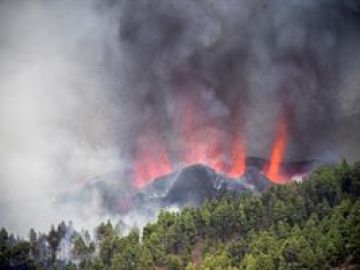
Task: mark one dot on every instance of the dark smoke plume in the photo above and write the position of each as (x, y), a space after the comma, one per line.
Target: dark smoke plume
(248, 61)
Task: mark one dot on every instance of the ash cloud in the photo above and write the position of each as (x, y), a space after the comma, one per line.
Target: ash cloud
(258, 58)
(81, 81)
(58, 123)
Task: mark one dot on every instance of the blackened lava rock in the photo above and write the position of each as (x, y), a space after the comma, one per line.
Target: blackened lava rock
(192, 185)
(196, 183)
(188, 186)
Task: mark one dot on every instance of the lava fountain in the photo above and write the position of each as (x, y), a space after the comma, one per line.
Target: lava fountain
(200, 137)
(237, 167)
(151, 159)
(273, 171)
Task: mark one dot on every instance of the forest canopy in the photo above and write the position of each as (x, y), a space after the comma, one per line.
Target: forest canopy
(310, 225)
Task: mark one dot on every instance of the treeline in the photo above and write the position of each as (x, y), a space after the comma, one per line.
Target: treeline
(309, 225)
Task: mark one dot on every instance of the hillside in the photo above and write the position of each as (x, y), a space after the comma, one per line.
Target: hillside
(309, 225)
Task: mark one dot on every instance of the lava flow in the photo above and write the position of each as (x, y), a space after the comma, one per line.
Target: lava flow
(277, 154)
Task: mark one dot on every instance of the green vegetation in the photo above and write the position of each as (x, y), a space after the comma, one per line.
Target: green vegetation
(310, 225)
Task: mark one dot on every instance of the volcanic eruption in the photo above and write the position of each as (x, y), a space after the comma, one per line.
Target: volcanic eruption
(153, 160)
(205, 137)
(216, 85)
(233, 95)
(153, 102)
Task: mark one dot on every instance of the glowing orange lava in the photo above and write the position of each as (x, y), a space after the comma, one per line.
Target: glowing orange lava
(237, 167)
(200, 136)
(205, 141)
(277, 154)
(151, 160)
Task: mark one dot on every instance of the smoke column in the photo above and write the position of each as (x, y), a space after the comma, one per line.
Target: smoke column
(92, 87)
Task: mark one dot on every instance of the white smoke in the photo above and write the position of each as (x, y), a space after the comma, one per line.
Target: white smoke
(55, 115)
